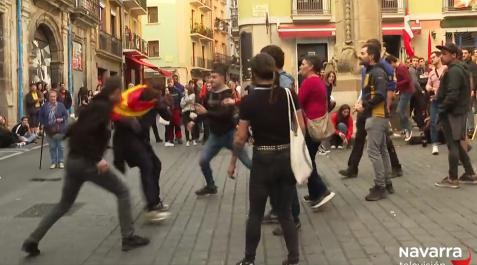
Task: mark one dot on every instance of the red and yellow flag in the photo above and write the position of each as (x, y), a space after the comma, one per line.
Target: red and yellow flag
(131, 105)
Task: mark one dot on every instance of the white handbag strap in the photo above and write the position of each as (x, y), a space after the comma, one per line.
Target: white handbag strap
(290, 99)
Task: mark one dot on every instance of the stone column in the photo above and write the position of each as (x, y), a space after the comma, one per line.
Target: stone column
(356, 22)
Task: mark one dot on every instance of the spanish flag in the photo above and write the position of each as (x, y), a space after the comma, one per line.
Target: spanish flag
(131, 105)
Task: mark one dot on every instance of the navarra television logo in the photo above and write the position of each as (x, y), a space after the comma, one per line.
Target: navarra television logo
(433, 254)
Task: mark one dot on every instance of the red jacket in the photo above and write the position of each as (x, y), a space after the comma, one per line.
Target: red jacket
(334, 117)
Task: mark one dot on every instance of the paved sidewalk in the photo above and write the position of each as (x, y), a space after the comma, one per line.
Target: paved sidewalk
(348, 231)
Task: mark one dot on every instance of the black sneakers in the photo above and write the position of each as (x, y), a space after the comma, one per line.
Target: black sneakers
(376, 193)
(289, 262)
(207, 190)
(161, 207)
(323, 200)
(348, 174)
(390, 188)
(397, 172)
(133, 242)
(468, 179)
(31, 248)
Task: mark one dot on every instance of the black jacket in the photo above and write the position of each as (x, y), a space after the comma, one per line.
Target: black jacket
(7, 138)
(454, 92)
(473, 73)
(89, 135)
(374, 92)
(221, 118)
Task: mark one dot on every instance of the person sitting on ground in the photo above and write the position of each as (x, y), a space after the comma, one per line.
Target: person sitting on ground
(343, 123)
(7, 138)
(22, 131)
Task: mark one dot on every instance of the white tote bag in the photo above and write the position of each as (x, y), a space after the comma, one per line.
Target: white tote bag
(299, 156)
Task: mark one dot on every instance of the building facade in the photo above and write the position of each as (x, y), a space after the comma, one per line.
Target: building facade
(188, 36)
(302, 27)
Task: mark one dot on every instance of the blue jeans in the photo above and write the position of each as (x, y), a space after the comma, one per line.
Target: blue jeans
(212, 147)
(56, 148)
(434, 120)
(403, 107)
(316, 187)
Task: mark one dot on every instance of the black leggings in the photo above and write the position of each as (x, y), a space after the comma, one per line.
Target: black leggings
(271, 172)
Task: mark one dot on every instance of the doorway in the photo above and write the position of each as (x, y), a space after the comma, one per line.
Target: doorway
(392, 44)
(303, 50)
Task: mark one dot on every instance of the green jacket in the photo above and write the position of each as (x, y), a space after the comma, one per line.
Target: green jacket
(454, 92)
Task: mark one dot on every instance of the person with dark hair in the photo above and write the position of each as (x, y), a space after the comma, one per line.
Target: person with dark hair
(22, 131)
(472, 68)
(417, 101)
(285, 81)
(313, 96)
(131, 145)
(7, 138)
(330, 81)
(88, 140)
(222, 127)
(83, 98)
(360, 138)
(33, 103)
(432, 88)
(64, 96)
(188, 113)
(54, 117)
(266, 112)
(151, 83)
(373, 105)
(343, 122)
(453, 106)
(175, 92)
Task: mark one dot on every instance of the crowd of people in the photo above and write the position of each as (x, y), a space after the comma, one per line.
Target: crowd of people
(439, 96)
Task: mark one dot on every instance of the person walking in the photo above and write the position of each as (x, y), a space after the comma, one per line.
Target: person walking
(432, 88)
(188, 113)
(472, 67)
(173, 130)
(54, 117)
(88, 140)
(406, 88)
(313, 98)
(222, 126)
(453, 106)
(33, 103)
(373, 105)
(360, 138)
(266, 111)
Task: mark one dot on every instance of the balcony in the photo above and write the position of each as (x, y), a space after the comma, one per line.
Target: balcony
(201, 32)
(454, 8)
(221, 26)
(59, 4)
(201, 63)
(311, 10)
(234, 21)
(225, 59)
(132, 41)
(86, 13)
(203, 5)
(392, 8)
(110, 46)
(136, 7)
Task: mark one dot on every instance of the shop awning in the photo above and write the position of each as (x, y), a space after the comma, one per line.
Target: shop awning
(306, 31)
(328, 30)
(149, 65)
(397, 28)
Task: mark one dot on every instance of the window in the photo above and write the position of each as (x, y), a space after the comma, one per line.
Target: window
(102, 18)
(113, 25)
(152, 16)
(153, 48)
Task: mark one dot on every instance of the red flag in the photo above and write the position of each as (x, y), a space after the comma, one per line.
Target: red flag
(408, 35)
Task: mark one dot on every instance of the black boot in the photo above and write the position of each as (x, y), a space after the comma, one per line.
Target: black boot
(133, 242)
(31, 248)
(349, 173)
(376, 193)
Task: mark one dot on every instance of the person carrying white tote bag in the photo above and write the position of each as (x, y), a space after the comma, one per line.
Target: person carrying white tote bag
(299, 155)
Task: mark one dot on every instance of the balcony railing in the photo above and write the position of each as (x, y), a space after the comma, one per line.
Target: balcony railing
(221, 25)
(222, 58)
(138, 7)
(202, 30)
(200, 62)
(311, 10)
(456, 6)
(133, 41)
(392, 7)
(203, 4)
(110, 44)
(86, 12)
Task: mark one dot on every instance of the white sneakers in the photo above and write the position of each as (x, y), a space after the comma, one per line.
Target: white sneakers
(194, 142)
(61, 165)
(53, 166)
(169, 144)
(188, 143)
(435, 150)
(156, 216)
(408, 136)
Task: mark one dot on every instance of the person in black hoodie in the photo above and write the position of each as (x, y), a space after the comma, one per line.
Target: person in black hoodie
(131, 144)
(222, 126)
(7, 138)
(88, 140)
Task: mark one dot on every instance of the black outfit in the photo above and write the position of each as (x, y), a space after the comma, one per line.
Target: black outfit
(453, 104)
(133, 146)
(194, 135)
(7, 138)
(66, 99)
(218, 115)
(271, 170)
(32, 110)
(88, 139)
(19, 129)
